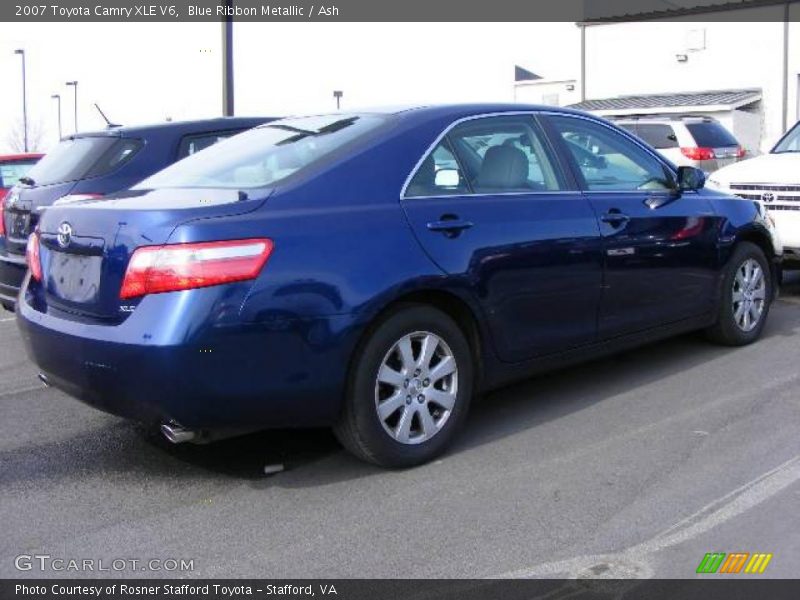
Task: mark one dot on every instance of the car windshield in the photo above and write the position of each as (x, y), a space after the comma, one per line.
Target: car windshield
(791, 143)
(11, 172)
(264, 155)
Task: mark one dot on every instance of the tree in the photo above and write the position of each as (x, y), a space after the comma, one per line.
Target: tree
(16, 137)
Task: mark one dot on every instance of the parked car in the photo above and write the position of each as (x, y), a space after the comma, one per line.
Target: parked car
(373, 271)
(96, 164)
(773, 179)
(12, 168)
(699, 142)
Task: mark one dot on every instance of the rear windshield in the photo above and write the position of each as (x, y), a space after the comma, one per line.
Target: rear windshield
(264, 155)
(711, 135)
(10, 172)
(84, 157)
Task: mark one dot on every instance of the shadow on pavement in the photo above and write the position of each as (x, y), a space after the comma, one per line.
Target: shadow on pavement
(313, 457)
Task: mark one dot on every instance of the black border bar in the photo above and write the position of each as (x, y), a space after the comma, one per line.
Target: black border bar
(582, 11)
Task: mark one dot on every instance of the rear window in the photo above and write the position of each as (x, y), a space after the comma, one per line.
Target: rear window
(711, 135)
(265, 155)
(191, 144)
(80, 158)
(10, 172)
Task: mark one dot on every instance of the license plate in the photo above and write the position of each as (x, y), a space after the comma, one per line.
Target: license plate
(19, 225)
(73, 277)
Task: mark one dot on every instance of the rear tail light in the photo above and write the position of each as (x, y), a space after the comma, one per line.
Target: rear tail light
(33, 257)
(698, 153)
(740, 152)
(174, 267)
(2, 212)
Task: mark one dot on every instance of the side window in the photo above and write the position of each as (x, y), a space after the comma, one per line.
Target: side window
(194, 143)
(607, 160)
(658, 136)
(491, 155)
(438, 175)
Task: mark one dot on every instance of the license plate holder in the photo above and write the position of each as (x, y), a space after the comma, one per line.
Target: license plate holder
(74, 277)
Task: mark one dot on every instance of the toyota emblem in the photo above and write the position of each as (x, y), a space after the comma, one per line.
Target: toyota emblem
(64, 234)
(767, 197)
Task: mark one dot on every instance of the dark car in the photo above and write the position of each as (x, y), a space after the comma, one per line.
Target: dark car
(374, 271)
(92, 165)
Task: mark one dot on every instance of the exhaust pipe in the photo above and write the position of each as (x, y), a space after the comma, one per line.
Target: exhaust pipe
(177, 434)
(43, 379)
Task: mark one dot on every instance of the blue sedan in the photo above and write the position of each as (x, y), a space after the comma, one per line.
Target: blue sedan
(375, 271)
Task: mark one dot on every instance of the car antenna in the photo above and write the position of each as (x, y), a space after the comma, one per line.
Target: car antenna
(109, 124)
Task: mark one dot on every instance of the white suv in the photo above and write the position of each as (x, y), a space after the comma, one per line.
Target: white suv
(774, 180)
(700, 142)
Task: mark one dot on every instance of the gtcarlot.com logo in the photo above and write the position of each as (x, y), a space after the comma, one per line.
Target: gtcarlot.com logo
(719, 562)
(46, 562)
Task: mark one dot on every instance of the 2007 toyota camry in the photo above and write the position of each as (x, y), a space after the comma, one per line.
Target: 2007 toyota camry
(374, 271)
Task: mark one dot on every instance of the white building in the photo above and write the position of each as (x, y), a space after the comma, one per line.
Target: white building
(748, 57)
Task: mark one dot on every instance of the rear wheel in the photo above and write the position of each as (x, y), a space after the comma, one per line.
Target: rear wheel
(409, 390)
(746, 295)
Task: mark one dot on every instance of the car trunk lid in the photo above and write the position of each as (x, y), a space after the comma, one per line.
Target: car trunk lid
(86, 245)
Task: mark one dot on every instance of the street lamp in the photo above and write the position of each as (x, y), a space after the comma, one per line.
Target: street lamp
(58, 97)
(24, 100)
(338, 95)
(75, 85)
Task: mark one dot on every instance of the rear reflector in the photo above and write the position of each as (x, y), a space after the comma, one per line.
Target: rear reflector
(740, 152)
(698, 153)
(174, 267)
(32, 256)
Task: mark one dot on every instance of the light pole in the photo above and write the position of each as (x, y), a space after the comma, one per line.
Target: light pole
(227, 63)
(338, 95)
(21, 52)
(58, 97)
(75, 85)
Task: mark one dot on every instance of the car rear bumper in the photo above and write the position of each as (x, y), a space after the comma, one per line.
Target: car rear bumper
(283, 373)
(12, 273)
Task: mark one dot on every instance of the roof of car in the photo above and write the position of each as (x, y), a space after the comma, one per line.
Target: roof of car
(452, 110)
(16, 157)
(179, 127)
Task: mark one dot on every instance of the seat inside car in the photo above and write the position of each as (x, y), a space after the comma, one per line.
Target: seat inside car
(504, 168)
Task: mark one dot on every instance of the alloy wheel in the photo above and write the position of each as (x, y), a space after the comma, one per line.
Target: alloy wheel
(416, 387)
(749, 295)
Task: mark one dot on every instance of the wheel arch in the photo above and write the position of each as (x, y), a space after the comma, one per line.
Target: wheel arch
(762, 239)
(450, 303)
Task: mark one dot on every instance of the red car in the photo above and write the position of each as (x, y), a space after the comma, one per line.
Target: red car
(12, 168)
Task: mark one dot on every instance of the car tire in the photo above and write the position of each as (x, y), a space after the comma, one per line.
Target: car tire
(744, 305)
(409, 389)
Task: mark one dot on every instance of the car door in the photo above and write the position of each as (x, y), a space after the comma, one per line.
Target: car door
(659, 245)
(491, 205)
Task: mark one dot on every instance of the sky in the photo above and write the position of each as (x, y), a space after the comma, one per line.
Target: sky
(143, 73)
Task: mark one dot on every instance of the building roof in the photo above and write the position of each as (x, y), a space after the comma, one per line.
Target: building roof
(610, 11)
(714, 100)
(522, 74)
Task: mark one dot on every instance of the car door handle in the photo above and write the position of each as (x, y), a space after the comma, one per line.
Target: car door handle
(615, 217)
(450, 225)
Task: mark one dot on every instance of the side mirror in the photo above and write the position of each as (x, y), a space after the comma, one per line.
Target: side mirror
(690, 179)
(447, 178)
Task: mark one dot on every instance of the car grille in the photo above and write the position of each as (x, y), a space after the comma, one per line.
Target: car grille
(775, 197)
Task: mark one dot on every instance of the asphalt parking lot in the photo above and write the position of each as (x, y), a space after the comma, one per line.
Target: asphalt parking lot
(636, 465)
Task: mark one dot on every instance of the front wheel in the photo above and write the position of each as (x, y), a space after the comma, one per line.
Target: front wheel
(409, 389)
(746, 295)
